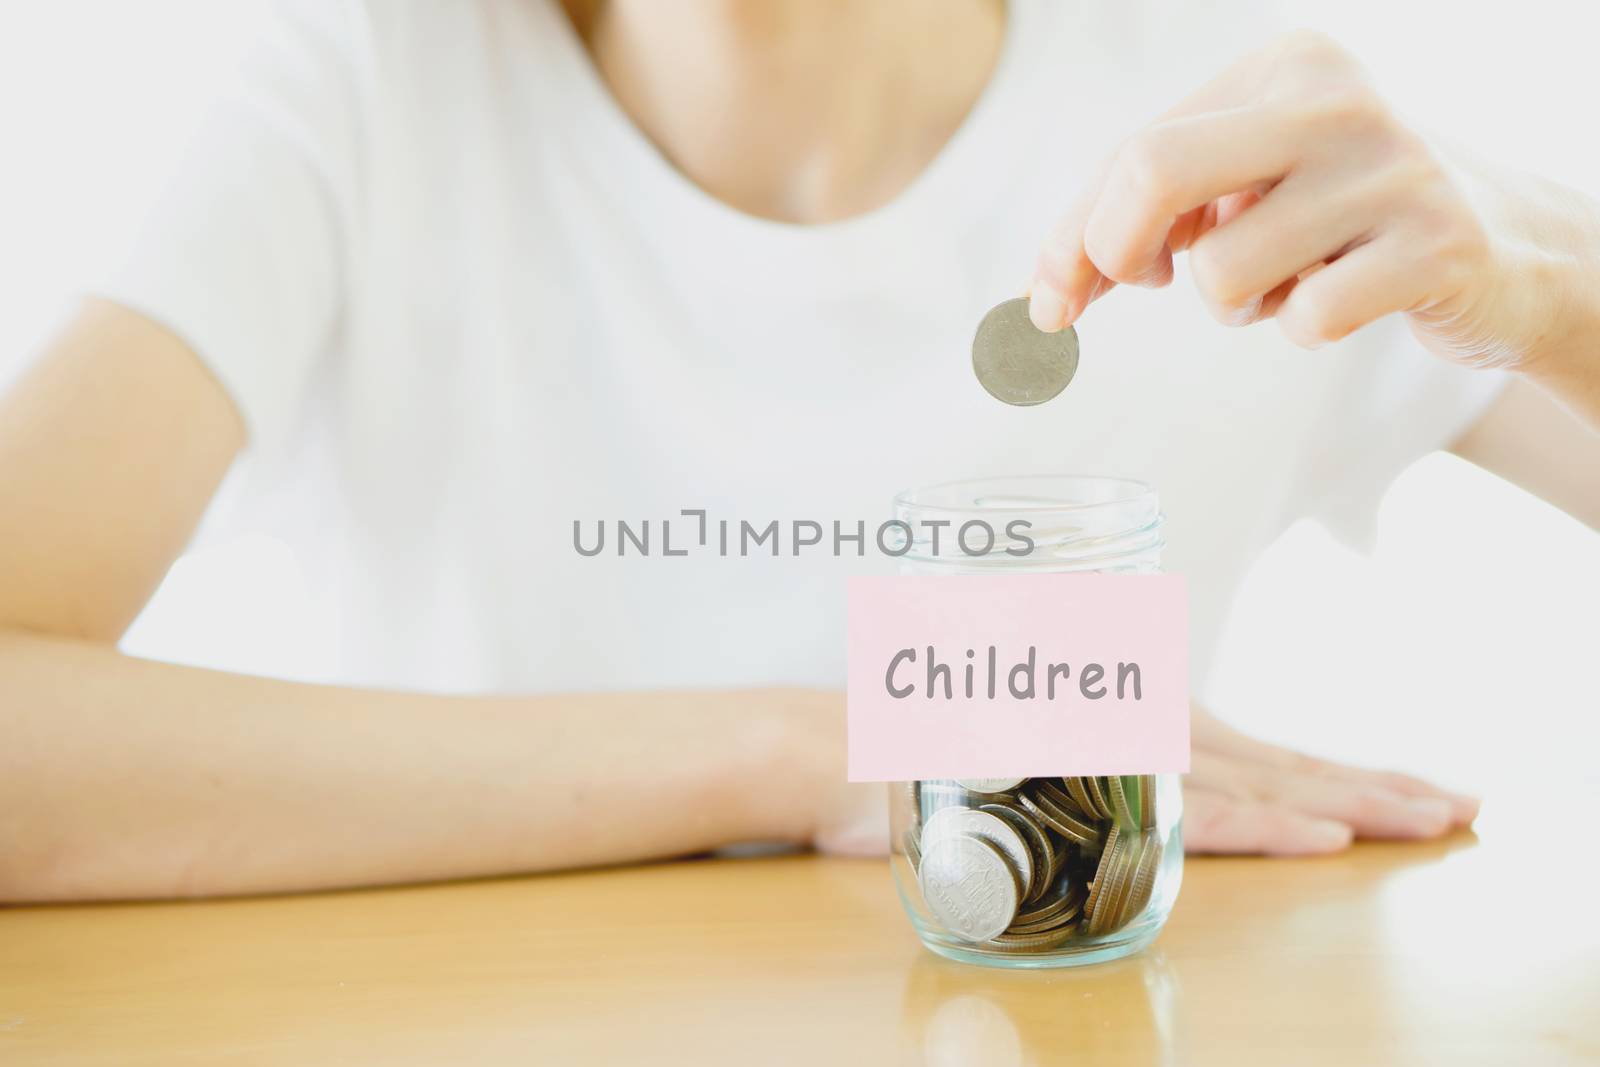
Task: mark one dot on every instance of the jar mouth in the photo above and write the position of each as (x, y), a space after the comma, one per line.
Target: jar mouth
(1054, 521)
(1037, 493)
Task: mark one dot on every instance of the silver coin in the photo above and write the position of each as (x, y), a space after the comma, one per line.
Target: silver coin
(969, 886)
(932, 796)
(993, 829)
(1017, 363)
(990, 785)
(1040, 850)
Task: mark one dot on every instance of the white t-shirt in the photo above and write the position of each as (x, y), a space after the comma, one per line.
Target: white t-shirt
(462, 302)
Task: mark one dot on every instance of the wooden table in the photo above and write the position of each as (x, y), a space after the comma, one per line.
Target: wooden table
(1432, 953)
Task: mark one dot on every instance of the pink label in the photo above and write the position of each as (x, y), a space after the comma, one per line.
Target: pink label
(940, 683)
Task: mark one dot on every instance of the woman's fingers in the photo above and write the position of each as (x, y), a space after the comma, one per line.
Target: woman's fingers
(1366, 808)
(1298, 225)
(1218, 823)
(1152, 197)
(1253, 774)
(1174, 167)
(1355, 216)
(1064, 280)
(1463, 808)
(1385, 275)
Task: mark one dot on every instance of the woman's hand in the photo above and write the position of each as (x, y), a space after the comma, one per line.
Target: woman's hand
(1246, 796)
(1301, 196)
(1242, 796)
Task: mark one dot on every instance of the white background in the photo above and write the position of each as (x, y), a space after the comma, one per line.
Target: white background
(1468, 644)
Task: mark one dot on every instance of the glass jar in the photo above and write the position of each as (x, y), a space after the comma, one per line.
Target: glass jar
(1035, 872)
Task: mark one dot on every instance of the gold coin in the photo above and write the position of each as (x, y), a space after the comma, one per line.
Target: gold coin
(1062, 905)
(1095, 786)
(1144, 879)
(1089, 795)
(1061, 918)
(1136, 848)
(1063, 799)
(1069, 909)
(1061, 822)
(1080, 796)
(1097, 884)
(1089, 836)
(1118, 878)
(1040, 942)
(1060, 861)
(1147, 801)
(1100, 922)
(1063, 897)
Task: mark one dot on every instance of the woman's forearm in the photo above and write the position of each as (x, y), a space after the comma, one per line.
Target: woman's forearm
(1574, 378)
(127, 778)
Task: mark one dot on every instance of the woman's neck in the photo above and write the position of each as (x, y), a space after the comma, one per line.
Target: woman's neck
(799, 110)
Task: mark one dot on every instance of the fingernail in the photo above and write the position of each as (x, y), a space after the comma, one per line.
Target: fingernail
(1046, 307)
(1465, 807)
(1330, 834)
(1158, 276)
(1245, 314)
(1432, 813)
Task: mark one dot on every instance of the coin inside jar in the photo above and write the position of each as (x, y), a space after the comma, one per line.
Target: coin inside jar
(969, 886)
(1079, 858)
(1042, 852)
(990, 785)
(1016, 362)
(993, 829)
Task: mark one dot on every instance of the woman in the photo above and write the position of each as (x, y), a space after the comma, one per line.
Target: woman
(454, 277)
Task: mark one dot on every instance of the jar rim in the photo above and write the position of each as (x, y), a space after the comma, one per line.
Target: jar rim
(1033, 522)
(1133, 492)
